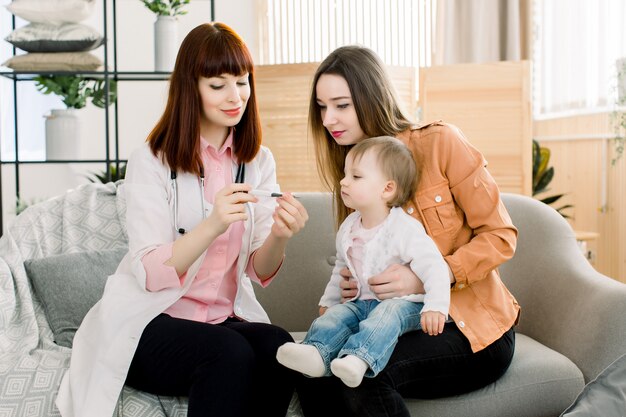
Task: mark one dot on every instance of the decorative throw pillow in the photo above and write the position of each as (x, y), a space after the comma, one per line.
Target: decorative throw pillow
(52, 11)
(605, 395)
(54, 61)
(69, 285)
(46, 37)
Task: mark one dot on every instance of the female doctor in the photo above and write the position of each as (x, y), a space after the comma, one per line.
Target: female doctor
(179, 317)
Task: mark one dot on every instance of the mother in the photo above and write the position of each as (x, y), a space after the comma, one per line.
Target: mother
(459, 204)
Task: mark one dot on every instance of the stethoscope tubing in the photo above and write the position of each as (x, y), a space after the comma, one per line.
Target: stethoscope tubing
(240, 177)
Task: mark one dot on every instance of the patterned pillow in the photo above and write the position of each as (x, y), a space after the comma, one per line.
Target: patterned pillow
(52, 11)
(54, 61)
(46, 37)
(69, 285)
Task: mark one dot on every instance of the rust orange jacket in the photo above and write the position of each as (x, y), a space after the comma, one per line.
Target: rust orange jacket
(459, 204)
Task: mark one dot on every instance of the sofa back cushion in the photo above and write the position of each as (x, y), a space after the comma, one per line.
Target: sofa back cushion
(292, 299)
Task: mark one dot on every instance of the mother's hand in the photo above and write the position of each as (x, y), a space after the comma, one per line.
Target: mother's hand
(396, 281)
(348, 285)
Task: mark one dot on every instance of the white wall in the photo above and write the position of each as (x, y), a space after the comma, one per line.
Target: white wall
(140, 103)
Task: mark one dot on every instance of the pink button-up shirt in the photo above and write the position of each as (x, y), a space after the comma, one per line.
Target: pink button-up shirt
(210, 298)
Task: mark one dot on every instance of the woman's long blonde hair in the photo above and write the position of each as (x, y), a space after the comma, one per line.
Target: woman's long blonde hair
(376, 105)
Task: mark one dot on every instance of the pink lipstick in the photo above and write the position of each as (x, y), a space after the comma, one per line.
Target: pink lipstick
(233, 112)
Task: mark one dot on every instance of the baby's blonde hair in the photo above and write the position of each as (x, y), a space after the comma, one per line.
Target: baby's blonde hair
(395, 161)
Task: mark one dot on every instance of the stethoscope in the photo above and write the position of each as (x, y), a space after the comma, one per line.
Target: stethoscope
(239, 178)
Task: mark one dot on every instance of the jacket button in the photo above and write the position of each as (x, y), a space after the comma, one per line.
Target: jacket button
(437, 199)
(460, 286)
(410, 210)
(461, 324)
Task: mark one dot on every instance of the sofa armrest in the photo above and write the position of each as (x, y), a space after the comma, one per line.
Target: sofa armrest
(566, 304)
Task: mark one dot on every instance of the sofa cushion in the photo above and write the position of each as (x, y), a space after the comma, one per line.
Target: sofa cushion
(69, 285)
(309, 261)
(539, 382)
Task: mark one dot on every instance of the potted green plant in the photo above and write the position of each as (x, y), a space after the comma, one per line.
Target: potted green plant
(165, 31)
(542, 176)
(618, 117)
(62, 127)
(113, 175)
(22, 204)
(76, 90)
(166, 7)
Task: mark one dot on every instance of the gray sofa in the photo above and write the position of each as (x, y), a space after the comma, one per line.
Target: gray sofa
(573, 321)
(572, 324)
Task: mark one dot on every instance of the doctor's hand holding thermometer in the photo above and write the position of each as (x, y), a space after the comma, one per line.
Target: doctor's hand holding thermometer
(289, 218)
(229, 207)
(290, 214)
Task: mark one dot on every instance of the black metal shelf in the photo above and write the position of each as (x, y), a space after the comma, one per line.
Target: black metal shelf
(108, 74)
(112, 75)
(62, 161)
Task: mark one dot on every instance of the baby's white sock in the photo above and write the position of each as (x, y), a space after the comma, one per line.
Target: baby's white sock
(350, 369)
(302, 358)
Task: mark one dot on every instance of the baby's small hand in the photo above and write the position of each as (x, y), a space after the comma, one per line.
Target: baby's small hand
(432, 322)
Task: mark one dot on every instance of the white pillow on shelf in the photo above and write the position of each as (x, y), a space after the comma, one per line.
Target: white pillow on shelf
(46, 37)
(52, 11)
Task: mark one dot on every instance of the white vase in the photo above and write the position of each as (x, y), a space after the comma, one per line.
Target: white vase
(62, 130)
(165, 43)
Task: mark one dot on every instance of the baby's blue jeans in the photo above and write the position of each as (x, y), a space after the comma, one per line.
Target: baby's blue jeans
(368, 329)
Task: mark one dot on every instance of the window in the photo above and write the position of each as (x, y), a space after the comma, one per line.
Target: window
(400, 31)
(577, 44)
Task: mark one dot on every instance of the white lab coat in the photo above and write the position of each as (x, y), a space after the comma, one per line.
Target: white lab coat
(401, 239)
(105, 343)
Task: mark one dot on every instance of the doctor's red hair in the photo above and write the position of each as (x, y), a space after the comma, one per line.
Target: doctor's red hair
(209, 50)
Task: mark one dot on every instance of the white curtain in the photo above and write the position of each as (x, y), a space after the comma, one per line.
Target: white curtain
(477, 31)
(577, 45)
(294, 31)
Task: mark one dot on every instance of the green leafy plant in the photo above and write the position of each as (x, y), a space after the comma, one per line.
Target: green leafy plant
(21, 204)
(618, 117)
(166, 7)
(75, 90)
(103, 178)
(542, 176)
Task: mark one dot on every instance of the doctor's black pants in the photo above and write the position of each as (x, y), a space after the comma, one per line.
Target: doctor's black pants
(225, 369)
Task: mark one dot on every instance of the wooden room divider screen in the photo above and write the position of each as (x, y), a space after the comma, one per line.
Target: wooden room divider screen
(491, 104)
(283, 93)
